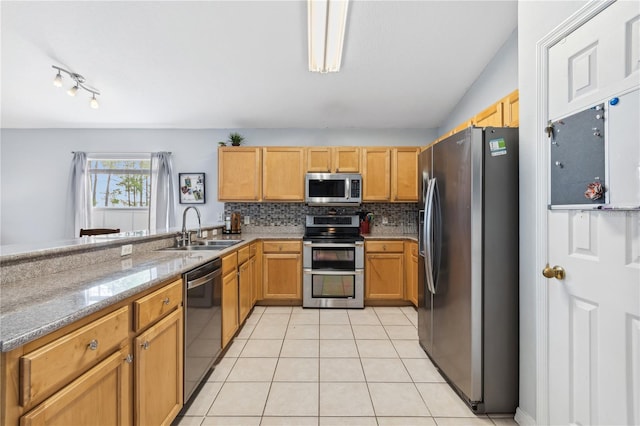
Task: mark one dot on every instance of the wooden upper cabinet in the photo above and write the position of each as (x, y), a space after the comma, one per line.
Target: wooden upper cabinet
(511, 109)
(404, 174)
(239, 173)
(343, 159)
(319, 159)
(491, 116)
(376, 174)
(283, 173)
(346, 159)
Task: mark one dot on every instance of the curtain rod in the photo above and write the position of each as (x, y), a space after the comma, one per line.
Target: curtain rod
(123, 153)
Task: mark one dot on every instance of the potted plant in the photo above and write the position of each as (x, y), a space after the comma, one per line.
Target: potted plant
(235, 138)
(222, 143)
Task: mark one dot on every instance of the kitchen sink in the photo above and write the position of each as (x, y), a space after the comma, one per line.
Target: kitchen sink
(206, 245)
(219, 243)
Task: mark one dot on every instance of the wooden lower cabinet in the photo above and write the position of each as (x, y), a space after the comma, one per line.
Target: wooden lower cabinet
(120, 366)
(411, 273)
(158, 371)
(245, 287)
(101, 396)
(229, 297)
(384, 270)
(256, 267)
(282, 270)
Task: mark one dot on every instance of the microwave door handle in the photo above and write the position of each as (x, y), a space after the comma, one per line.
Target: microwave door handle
(347, 188)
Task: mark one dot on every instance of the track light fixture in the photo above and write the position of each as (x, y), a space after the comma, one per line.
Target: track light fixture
(79, 83)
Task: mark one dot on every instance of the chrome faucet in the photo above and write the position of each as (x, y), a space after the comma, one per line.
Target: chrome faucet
(186, 236)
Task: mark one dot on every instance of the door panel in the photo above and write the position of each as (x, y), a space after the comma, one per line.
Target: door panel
(597, 59)
(594, 312)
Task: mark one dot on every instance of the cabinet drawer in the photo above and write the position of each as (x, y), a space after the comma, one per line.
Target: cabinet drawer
(253, 249)
(155, 305)
(56, 363)
(243, 255)
(384, 246)
(281, 247)
(229, 263)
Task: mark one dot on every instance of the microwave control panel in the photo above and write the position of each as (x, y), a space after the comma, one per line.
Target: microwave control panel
(355, 188)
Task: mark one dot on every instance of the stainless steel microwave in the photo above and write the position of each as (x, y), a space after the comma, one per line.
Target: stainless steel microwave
(333, 189)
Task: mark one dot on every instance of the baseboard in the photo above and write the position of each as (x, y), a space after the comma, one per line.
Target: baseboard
(523, 418)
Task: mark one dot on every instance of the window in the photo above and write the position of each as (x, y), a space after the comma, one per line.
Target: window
(120, 191)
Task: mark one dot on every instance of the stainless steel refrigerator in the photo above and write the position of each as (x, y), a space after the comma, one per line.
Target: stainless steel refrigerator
(468, 266)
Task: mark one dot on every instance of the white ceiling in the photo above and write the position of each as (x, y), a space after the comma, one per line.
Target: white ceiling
(242, 64)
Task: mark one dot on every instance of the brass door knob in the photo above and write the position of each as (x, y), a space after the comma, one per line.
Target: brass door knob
(556, 272)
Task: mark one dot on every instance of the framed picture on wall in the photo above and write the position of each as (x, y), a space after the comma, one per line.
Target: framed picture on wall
(191, 188)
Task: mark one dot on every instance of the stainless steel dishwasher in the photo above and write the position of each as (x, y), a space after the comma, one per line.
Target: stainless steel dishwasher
(203, 323)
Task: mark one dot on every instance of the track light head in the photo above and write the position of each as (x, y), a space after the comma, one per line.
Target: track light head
(72, 91)
(58, 80)
(94, 102)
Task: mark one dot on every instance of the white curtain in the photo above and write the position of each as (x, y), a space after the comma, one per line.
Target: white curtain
(162, 205)
(80, 194)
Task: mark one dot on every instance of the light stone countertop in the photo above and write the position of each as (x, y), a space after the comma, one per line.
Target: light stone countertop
(35, 307)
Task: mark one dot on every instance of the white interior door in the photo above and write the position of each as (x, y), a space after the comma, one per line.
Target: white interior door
(594, 312)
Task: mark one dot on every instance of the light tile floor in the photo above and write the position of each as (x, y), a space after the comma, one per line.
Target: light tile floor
(295, 366)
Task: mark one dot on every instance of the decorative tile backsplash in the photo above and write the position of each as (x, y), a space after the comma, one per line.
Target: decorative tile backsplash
(401, 217)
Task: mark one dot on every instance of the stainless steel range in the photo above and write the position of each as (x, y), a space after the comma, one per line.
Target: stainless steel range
(333, 262)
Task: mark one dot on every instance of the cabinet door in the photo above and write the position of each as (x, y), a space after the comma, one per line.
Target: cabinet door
(511, 109)
(404, 181)
(319, 159)
(282, 276)
(384, 275)
(158, 365)
(346, 159)
(256, 261)
(376, 174)
(491, 116)
(245, 284)
(229, 307)
(101, 396)
(283, 174)
(239, 173)
(411, 273)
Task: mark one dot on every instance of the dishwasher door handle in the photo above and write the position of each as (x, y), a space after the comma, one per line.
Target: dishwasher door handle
(203, 280)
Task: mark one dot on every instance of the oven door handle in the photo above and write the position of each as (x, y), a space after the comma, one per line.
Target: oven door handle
(203, 280)
(323, 272)
(333, 245)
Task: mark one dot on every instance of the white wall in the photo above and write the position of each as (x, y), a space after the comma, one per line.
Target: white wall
(497, 80)
(35, 165)
(535, 20)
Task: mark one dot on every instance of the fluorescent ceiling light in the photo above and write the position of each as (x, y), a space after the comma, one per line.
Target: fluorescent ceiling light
(327, 20)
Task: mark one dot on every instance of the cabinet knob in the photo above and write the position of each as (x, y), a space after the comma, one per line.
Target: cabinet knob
(93, 345)
(145, 345)
(129, 359)
(384, 247)
(166, 301)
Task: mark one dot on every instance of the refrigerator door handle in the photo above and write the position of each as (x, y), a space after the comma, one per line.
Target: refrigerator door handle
(428, 235)
(437, 238)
